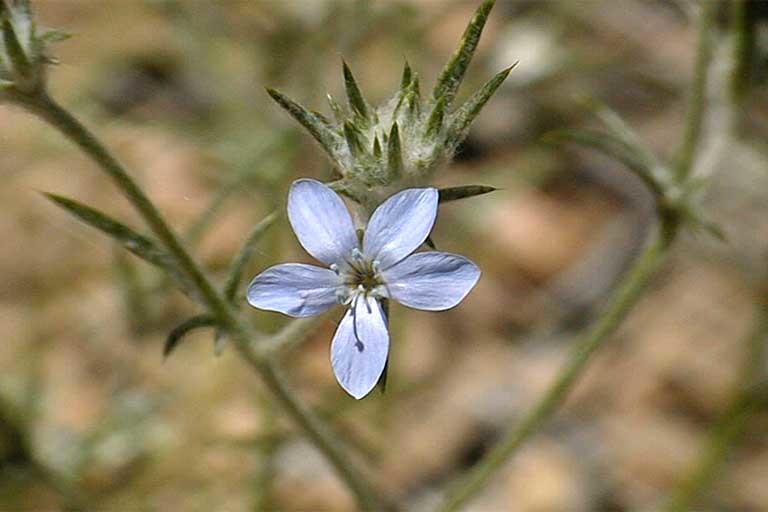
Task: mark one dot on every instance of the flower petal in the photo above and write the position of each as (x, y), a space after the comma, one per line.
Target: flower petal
(294, 289)
(400, 225)
(433, 281)
(360, 347)
(321, 221)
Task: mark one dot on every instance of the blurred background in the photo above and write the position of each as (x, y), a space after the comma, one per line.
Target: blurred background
(91, 413)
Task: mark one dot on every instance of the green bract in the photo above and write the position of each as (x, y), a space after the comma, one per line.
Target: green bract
(23, 56)
(399, 144)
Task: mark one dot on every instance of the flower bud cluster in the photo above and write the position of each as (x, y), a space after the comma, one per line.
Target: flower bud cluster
(401, 143)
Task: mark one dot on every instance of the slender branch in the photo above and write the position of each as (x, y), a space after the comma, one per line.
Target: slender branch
(622, 301)
(743, 33)
(697, 97)
(241, 333)
(731, 425)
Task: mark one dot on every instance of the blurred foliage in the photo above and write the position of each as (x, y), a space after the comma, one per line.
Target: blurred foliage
(89, 413)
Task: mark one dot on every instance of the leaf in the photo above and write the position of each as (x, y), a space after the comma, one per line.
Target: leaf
(622, 131)
(15, 49)
(453, 73)
(354, 142)
(615, 148)
(467, 113)
(406, 80)
(356, 101)
(313, 124)
(338, 112)
(394, 153)
(455, 193)
(54, 36)
(243, 257)
(184, 328)
(435, 122)
(138, 244)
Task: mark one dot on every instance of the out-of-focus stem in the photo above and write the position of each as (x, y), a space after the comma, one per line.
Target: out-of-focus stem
(743, 33)
(241, 333)
(727, 430)
(627, 294)
(697, 98)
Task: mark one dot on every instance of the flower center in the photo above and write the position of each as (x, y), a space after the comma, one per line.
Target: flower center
(359, 276)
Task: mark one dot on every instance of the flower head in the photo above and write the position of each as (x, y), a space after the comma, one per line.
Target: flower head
(360, 274)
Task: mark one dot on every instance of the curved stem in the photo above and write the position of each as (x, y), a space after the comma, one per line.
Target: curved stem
(241, 333)
(727, 430)
(622, 301)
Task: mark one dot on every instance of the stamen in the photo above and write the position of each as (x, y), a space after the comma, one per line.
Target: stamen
(335, 268)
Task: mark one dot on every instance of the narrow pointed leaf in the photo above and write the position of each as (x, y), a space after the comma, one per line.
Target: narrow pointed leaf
(177, 334)
(463, 192)
(54, 36)
(394, 153)
(615, 148)
(453, 73)
(322, 119)
(376, 147)
(314, 125)
(469, 110)
(356, 101)
(354, 141)
(435, 122)
(336, 109)
(138, 244)
(406, 80)
(244, 256)
(622, 131)
(14, 48)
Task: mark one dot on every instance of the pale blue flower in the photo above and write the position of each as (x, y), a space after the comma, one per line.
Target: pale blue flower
(360, 275)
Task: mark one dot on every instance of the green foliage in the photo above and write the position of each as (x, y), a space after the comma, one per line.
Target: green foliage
(463, 192)
(139, 245)
(23, 51)
(675, 194)
(453, 73)
(402, 142)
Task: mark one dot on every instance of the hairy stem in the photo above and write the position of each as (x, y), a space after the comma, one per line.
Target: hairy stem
(727, 430)
(697, 97)
(241, 333)
(627, 294)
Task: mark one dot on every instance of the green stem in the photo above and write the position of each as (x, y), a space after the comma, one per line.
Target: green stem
(727, 430)
(622, 301)
(743, 33)
(697, 97)
(241, 333)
